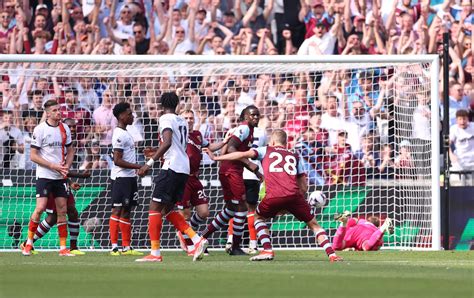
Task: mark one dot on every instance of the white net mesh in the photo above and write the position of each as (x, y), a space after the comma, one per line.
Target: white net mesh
(363, 132)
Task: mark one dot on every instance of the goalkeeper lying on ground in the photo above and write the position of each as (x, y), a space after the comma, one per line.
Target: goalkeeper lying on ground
(359, 234)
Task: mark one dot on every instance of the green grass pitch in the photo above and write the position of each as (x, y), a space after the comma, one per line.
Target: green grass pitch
(291, 274)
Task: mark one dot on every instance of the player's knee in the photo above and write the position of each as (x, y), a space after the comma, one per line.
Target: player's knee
(203, 213)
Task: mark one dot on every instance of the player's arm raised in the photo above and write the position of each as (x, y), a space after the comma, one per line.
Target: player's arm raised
(218, 145)
(167, 136)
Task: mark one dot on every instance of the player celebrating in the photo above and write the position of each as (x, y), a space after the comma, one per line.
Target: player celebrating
(51, 150)
(286, 185)
(124, 185)
(194, 191)
(360, 234)
(233, 187)
(252, 190)
(73, 222)
(171, 181)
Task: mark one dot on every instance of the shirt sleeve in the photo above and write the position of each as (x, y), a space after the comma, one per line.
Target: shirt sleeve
(37, 139)
(242, 132)
(259, 153)
(118, 141)
(165, 123)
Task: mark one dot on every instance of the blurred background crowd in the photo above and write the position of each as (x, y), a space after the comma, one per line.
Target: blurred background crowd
(347, 125)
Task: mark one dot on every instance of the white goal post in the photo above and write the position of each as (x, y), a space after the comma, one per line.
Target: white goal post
(388, 165)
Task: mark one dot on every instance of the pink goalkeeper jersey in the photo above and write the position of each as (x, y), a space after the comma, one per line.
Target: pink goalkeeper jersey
(356, 235)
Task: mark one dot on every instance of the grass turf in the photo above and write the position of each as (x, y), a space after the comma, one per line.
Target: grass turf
(291, 274)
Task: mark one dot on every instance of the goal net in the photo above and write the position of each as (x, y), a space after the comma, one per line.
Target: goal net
(365, 128)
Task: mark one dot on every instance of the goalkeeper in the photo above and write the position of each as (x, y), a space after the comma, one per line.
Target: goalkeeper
(360, 234)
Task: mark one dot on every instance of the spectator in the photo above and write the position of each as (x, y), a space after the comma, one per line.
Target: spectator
(323, 41)
(71, 109)
(404, 163)
(104, 119)
(11, 139)
(368, 155)
(386, 168)
(36, 110)
(24, 161)
(456, 101)
(461, 137)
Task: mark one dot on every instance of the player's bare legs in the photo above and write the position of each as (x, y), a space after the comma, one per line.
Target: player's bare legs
(323, 240)
(371, 244)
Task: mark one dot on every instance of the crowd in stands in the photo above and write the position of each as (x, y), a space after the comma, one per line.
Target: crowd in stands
(347, 125)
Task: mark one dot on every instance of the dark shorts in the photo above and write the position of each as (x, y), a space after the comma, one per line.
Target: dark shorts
(168, 187)
(193, 194)
(51, 205)
(296, 205)
(55, 188)
(233, 186)
(124, 192)
(252, 189)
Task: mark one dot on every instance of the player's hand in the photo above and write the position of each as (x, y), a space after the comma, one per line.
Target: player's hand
(61, 169)
(143, 170)
(210, 153)
(86, 173)
(148, 152)
(75, 186)
(259, 176)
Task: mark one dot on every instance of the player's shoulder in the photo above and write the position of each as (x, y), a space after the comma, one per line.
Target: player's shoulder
(195, 134)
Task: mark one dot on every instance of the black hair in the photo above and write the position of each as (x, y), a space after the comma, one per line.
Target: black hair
(245, 111)
(169, 100)
(120, 108)
(66, 120)
(50, 103)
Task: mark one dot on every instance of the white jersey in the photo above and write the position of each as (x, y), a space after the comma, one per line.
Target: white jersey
(259, 140)
(122, 141)
(49, 142)
(175, 158)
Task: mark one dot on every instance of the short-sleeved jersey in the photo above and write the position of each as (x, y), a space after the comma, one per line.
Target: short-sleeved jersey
(175, 158)
(193, 149)
(49, 141)
(281, 167)
(356, 236)
(259, 140)
(244, 136)
(122, 141)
